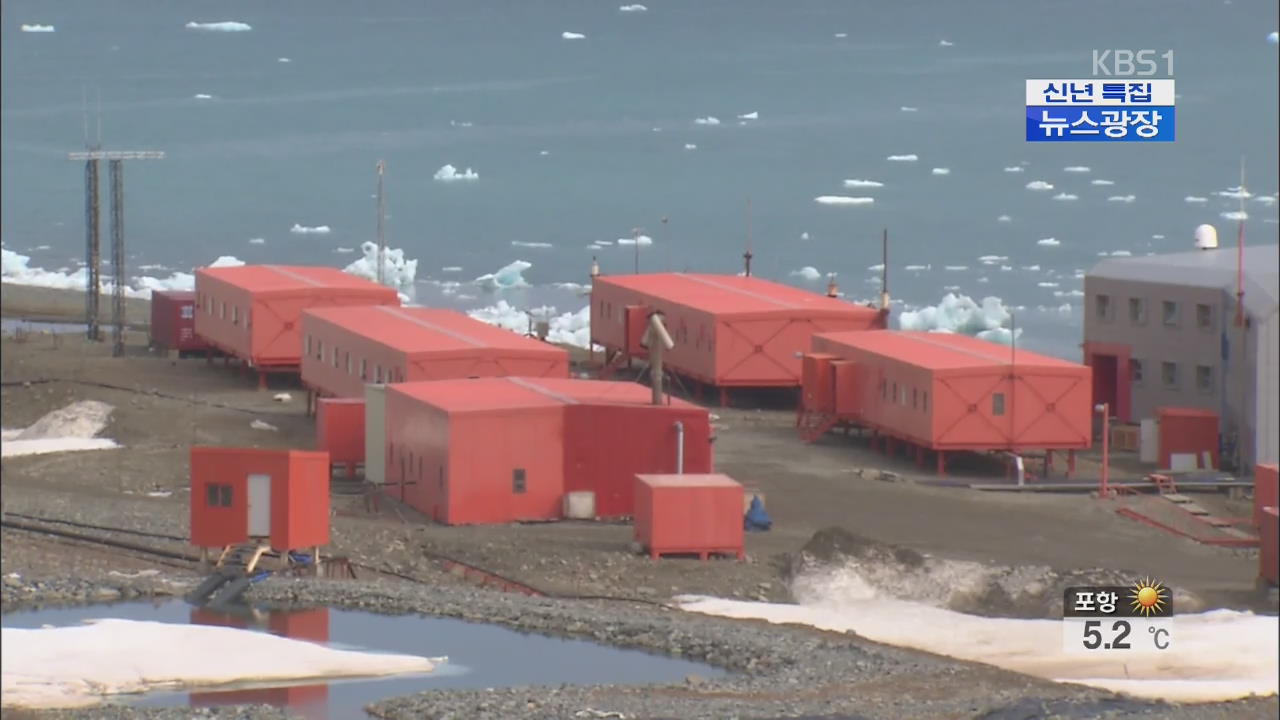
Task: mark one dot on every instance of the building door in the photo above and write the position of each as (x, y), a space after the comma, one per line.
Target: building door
(259, 506)
(1106, 381)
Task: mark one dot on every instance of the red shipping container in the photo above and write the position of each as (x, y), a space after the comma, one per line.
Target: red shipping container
(254, 311)
(689, 514)
(945, 391)
(729, 331)
(1191, 431)
(340, 429)
(816, 383)
(173, 324)
(845, 388)
(239, 493)
(1266, 490)
(346, 347)
(1269, 546)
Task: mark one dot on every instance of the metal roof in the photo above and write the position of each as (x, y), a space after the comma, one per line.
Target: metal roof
(1206, 269)
(731, 294)
(515, 393)
(941, 351)
(689, 480)
(416, 330)
(284, 278)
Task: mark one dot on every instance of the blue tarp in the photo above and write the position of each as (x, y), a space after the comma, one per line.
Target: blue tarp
(756, 519)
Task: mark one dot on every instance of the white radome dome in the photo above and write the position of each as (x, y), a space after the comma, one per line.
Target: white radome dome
(1206, 237)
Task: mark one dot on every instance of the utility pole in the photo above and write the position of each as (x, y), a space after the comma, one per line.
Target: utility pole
(666, 242)
(382, 241)
(746, 255)
(635, 239)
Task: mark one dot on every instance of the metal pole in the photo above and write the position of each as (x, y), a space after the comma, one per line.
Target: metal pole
(666, 242)
(635, 238)
(117, 256)
(382, 243)
(1104, 489)
(93, 247)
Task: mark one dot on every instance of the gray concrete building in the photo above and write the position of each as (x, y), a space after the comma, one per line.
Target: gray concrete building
(1160, 331)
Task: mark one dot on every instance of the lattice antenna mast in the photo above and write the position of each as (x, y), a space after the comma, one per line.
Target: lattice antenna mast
(382, 240)
(884, 269)
(746, 256)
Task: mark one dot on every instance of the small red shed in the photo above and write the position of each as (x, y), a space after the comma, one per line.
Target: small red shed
(1266, 490)
(173, 324)
(340, 431)
(238, 494)
(683, 514)
(945, 392)
(1187, 431)
(347, 347)
(496, 450)
(254, 311)
(729, 331)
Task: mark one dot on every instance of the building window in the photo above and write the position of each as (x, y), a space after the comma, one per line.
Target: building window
(1204, 378)
(1102, 307)
(1138, 311)
(308, 344)
(1135, 371)
(320, 350)
(517, 481)
(188, 312)
(377, 374)
(997, 404)
(348, 356)
(335, 357)
(884, 389)
(218, 495)
(915, 399)
(1204, 316)
(894, 398)
(1169, 374)
(235, 315)
(222, 310)
(924, 401)
(1170, 313)
(364, 369)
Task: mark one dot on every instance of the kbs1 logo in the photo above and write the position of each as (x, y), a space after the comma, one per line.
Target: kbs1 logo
(1118, 104)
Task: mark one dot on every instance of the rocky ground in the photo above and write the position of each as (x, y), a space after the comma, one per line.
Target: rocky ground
(164, 406)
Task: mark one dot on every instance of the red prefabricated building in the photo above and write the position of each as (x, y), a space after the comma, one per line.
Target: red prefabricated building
(1187, 431)
(243, 493)
(347, 347)
(173, 321)
(688, 514)
(1266, 490)
(340, 431)
(729, 331)
(947, 392)
(497, 450)
(1269, 546)
(254, 311)
(309, 625)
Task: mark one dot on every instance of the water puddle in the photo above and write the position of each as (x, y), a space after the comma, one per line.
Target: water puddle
(480, 655)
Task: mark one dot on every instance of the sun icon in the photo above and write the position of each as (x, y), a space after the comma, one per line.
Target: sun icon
(1148, 597)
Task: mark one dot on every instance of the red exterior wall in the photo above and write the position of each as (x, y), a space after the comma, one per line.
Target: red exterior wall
(606, 446)
(340, 429)
(1117, 392)
(240, 315)
(816, 380)
(299, 496)
(1187, 430)
(173, 321)
(1269, 546)
(1266, 491)
(688, 514)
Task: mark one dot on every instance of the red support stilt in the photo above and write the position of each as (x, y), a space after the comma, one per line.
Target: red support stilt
(942, 463)
(1048, 462)
(724, 397)
(1071, 463)
(351, 471)
(262, 380)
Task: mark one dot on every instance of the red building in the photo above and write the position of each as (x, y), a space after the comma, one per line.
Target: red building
(729, 331)
(689, 514)
(945, 392)
(340, 431)
(347, 347)
(496, 450)
(239, 494)
(173, 322)
(253, 312)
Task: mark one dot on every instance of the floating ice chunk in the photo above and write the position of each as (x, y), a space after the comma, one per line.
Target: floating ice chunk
(1265, 200)
(521, 243)
(753, 115)
(544, 152)
(1065, 197)
(642, 241)
(1237, 193)
(1048, 242)
(1157, 237)
(1076, 169)
(918, 268)
(903, 158)
(876, 268)
(843, 200)
(567, 328)
(1234, 215)
(951, 288)
(397, 271)
(1273, 37)
(908, 108)
(1039, 186)
(1047, 284)
(226, 261)
(1195, 199)
(509, 276)
(38, 28)
(984, 280)
(603, 243)
(1122, 198)
(1068, 293)
(632, 8)
(863, 184)
(257, 241)
(941, 171)
(690, 146)
(945, 43)
(1014, 169)
(224, 26)
(708, 120)
(807, 272)
(1121, 253)
(842, 35)
(449, 173)
(804, 236)
(283, 60)
(299, 229)
(1004, 219)
(344, 250)
(572, 35)
(1031, 268)
(1101, 182)
(203, 96)
(992, 259)
(956, 268)
(957, 314)
(463, 124)
(1006, 268)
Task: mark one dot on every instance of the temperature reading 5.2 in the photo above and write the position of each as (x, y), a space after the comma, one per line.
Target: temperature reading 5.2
(1093, 637)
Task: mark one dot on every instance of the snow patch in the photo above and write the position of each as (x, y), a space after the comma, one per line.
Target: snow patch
(903, 158)
(397, 271)
(68, 429)
(262, 425)
(449, 173)
(1039, 186)
(844, 200)
(299, 229)
(224, 26)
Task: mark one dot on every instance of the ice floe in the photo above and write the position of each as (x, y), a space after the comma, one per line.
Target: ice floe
(708, 120)
(690, 146)
(203, 96)
(344, 250)
(1065, 197)
(632, 8)
(753, 115)
(1014, 169)
(641, 240)
(567, 35)
(299, 229)
(903, 158)
(1100, 182)
(804, 236)
(843, 200)
(945, 43)
(397, 270)
(509, 276)
(522, 243)
(18, 271)
(224, 26)
(908, 108)
(449, 173)
(1004, 219)
(1039, 186)
(1076, 169)
(842, 35)
(1122, 198)
(565, 328)
(1234, 215)
(283, 60)
(257, 241)
(1265, 199)
(941, 171)
(1236, 193)
(917, 268)
(956, 268)
(807, 272)
(38, 28)
(1046, 284)
(1273, 37)
(1195, 199)
(863, 184)
(1048, 242)
(961, 314)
